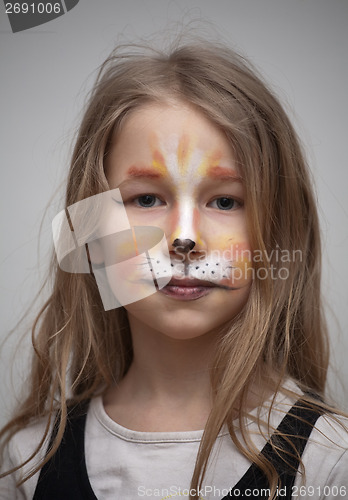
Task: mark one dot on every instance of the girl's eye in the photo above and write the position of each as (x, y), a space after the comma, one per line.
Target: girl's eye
(225, 203)
(147, 201)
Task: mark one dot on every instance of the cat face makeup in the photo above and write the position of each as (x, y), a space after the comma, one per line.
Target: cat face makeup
(175, 170)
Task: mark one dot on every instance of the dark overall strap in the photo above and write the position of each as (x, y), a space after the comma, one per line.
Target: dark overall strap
(64, 476)
(297, 425)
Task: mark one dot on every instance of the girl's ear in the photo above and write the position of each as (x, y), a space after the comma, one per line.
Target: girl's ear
(95, 251)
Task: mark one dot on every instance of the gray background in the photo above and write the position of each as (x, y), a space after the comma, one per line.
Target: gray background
(300, 46)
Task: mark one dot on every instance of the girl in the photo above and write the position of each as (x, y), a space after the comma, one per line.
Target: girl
(183, 350)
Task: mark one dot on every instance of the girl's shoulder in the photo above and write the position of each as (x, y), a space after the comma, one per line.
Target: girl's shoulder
(325, 456)
(325, 459)
(22, 447)
(330, 428)
(27, 446)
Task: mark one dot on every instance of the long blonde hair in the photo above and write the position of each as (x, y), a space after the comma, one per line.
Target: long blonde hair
(79, 347)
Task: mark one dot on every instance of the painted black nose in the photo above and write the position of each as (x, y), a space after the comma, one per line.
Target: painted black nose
(183, 246)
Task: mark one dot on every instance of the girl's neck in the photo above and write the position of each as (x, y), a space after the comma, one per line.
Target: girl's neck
(167, 386)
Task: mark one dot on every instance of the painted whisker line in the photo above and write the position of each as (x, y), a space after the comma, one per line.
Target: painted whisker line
(143, 264)
(225, 287)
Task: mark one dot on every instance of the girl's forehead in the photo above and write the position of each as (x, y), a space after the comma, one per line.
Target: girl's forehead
(171, 139)
(167, 122)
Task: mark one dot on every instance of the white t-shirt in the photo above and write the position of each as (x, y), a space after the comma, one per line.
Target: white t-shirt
(130, 465)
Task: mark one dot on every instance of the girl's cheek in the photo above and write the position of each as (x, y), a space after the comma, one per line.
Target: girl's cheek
(147, 218)
(127, 282)
(242, 271)
(233, 255)
(135, 265)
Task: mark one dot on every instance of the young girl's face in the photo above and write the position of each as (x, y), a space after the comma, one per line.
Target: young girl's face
(176, 170)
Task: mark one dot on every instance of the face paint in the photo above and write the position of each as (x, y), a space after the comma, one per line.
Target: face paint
(184, 166)
(175, 169)
(180, 160)
(225, 266)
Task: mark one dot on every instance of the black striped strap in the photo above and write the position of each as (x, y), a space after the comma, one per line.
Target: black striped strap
(297, 426)
(64, 476)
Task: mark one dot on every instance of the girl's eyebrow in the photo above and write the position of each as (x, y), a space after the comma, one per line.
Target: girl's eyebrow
(146, 172)
(214, 172)
(223, 174)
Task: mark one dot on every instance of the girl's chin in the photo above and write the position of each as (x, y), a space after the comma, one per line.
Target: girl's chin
(180, 321)
(187, 313)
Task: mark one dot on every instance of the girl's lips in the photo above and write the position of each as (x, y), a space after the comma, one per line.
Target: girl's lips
(190, 282)
(187, 289)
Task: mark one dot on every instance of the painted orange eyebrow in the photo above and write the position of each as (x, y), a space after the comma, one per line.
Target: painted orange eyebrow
(223, 173)
(134, 171)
